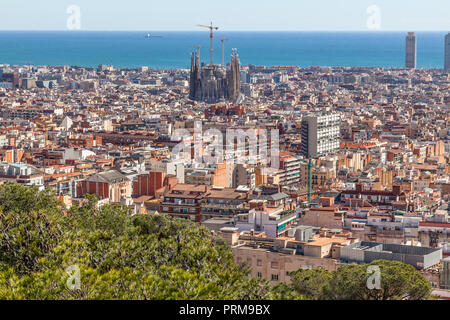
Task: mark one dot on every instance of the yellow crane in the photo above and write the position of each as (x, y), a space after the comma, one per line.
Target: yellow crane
(223, 49)
(211, 28)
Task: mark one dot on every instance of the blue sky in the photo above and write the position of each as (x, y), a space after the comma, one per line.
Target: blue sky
(231, 15)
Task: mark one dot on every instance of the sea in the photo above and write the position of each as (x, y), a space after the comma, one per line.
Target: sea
(172, 49)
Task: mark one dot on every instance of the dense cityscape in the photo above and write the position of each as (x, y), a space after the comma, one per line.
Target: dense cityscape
(358, 168)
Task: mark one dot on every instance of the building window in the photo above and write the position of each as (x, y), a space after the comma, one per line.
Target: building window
(274, 277)
(259, 275)
(259, 262)
(274, 265)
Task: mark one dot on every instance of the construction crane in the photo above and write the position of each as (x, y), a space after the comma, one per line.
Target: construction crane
(223, 49)
(211, 28)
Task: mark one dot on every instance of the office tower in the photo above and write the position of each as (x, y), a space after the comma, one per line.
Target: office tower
(447, 52)
(320, 135)
(411, 50)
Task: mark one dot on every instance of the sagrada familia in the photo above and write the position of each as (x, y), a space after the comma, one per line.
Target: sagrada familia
(214, 83)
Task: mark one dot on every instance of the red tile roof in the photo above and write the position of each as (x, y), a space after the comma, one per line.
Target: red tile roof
(434, 224)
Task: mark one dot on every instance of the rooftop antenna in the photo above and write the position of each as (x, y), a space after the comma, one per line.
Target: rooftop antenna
(211, 28)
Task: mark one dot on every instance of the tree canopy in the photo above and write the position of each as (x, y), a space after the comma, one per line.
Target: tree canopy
(119, 256)
(350, 282)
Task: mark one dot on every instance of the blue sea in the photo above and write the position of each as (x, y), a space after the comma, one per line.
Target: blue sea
(173, 49)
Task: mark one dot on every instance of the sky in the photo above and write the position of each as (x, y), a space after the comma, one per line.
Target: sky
(229, 15)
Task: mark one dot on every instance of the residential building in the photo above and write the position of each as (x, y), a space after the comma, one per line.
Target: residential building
(320, 135)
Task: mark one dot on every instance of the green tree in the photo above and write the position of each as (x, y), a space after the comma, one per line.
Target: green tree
(349, 282)
(312, 283)
(400, 281)
(26, 238)
(152, 257)
(22, 199)
(119, 256)
(285, 291)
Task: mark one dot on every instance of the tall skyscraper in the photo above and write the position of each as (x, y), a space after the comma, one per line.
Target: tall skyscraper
(447, 52)
(411, 50)
(320, 134)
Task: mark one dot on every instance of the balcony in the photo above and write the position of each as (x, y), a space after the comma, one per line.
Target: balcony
(222, 205)
(283, 216)
(179, 203)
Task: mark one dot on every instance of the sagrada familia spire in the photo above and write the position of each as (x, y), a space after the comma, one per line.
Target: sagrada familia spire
(212, 83)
